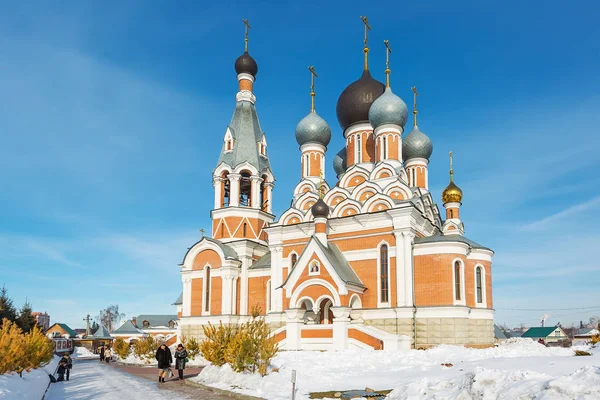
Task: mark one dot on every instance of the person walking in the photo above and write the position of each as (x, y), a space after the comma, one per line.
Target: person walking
(164, 358)
(107, 354)
(181, 355)
(101, 349)
(62, 367)
(68, 364)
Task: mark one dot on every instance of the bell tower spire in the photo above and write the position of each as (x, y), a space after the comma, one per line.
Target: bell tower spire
(452, 198)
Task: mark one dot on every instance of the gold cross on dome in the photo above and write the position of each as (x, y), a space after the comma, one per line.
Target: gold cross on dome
(313, 75)
(245, 21)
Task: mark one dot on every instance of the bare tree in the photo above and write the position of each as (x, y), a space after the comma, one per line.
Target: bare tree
(110, 317)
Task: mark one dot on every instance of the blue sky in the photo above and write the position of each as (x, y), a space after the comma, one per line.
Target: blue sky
(113, 114)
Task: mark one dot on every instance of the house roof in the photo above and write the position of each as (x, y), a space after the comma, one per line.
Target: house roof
(450, 238)
(155, 320)
(227, 251)
(498, 334)
(263, 262)
(128, 328)
(179, 300)
(101, 333)
(539, 332)
(586, 331)
(65, 328)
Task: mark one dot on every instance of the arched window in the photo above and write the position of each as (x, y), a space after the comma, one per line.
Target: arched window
(263, 193)
(358, 148)
(207, 290)
(383, 273)
(479, 284)
(294, 258)
(226, 189)
(306, 165)
(384, 148)
(245, 189)
(451, 214)
(314, 268)
(457, 278)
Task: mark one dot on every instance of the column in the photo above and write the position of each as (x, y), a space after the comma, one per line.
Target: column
(187, 298)
(400, 274)
(341, 321)
(408, 268)
(293, 328)
(246, 260)
(276, 279)
(269, 189)
(218, 185)
(234, 190)
(255, 192)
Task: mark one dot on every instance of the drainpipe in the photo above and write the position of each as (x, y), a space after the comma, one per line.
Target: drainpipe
(414, 299)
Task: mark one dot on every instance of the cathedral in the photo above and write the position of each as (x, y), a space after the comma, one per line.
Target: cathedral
(368, 262)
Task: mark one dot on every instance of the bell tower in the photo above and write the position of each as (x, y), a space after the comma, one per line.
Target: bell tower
(242, 180)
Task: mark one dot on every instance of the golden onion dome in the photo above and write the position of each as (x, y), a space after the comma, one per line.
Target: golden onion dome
(452, 194)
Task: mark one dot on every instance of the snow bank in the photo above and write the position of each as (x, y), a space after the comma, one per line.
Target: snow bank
(82, 352)
(519, 366)
(31, 386)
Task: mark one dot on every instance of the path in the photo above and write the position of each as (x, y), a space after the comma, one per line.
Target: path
(91, 380)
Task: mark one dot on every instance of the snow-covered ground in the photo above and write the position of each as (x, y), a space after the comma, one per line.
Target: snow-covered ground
(91, 380)
(31, 386)
(519, 368)
(82, 352)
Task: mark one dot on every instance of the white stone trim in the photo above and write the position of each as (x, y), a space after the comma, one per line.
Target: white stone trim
(388, 128)
(245, 76)
(417, 162)
(316, 147)
(482, 304)
(256, 273)
(359, 127)
(423, 249)
(245, 95)
(311, 282)
(463, 299)
(480, 255)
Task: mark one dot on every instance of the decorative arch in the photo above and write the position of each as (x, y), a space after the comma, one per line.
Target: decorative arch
(306, 200)
(305, 186)
(246, 166)
(346, 208)
(397, 191)
(336, 196)
(373, 204)
(355, 301)
(188, 260)
(352, 175)
(365, 191)
(288, 217)
(315, 282)
(304, 299)
(381, 171)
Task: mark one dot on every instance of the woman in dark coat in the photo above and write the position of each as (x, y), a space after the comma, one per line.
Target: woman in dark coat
(164, 358)
(180, 358)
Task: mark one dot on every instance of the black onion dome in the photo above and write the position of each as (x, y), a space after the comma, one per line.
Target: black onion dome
(320, 209)
(355, 101)
(245, 64)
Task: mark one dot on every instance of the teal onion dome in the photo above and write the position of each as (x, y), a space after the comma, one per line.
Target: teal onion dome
(388, 109)
(339, 162)
(416, 145)
(313, 129)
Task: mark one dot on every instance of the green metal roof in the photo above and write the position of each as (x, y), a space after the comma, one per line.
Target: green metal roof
(67, 329)
(179, 300)
(101, 333)
(155, 320)
(539, 332)
(263, 262)
(227, 251)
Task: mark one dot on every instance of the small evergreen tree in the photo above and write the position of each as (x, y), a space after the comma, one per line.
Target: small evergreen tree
(12, 347)
(7, 309)
(26, 320)
(38, 350)
(121, 348)
(145, 348)
(193, 348)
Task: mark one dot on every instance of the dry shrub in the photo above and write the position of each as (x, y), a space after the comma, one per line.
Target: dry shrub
(23, 352)
(145, 348)
(121, 348)
(582, 353)
(246, 347)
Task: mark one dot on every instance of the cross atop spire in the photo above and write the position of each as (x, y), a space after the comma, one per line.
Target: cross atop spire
(365, 20)
(313, 75)
(451, 170)
(388, 51)
(202, 233)
(245, 21)
(415, 112)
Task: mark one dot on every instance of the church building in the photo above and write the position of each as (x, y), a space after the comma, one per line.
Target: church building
(366, 262)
